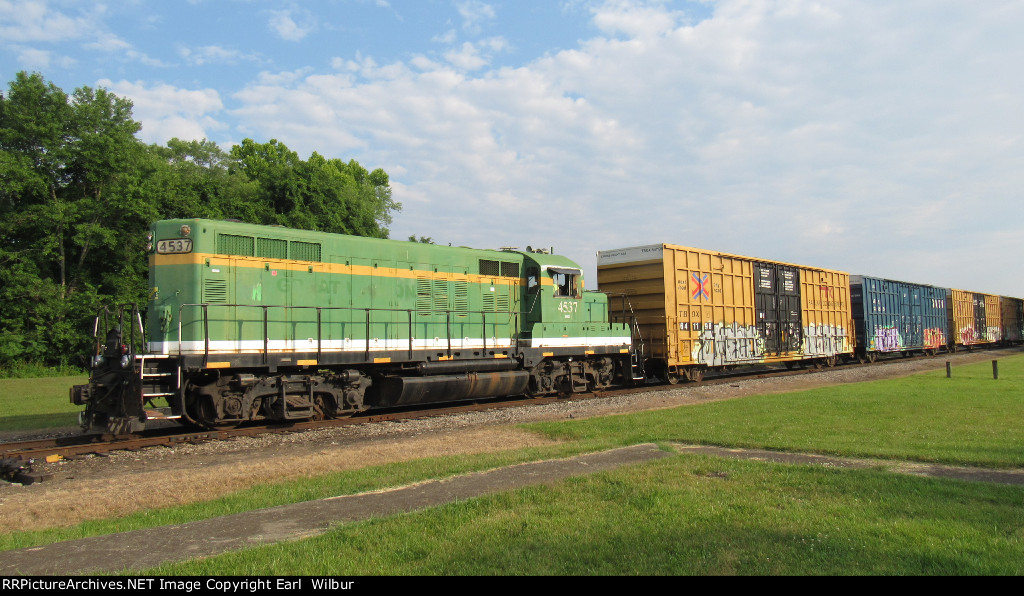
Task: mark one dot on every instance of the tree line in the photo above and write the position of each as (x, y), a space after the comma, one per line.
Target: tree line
(78, 191)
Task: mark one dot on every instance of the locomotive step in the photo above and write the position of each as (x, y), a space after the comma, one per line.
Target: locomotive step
(161, 414)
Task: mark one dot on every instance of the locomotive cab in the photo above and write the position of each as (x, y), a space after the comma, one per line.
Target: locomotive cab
(568, 340)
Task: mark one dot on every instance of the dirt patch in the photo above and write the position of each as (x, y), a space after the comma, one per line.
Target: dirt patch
(101, 487)
(124, 482)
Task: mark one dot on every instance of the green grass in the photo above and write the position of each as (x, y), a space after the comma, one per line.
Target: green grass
(700, 515)
(690, 514)
(684, 515)
(29, 404)
(25, 370)
(969, 419)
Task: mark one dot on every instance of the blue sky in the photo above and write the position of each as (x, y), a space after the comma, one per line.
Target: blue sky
(877, 137)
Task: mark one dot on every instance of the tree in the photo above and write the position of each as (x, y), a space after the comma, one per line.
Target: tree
(78, 192)
(321, 194)
(62, 159)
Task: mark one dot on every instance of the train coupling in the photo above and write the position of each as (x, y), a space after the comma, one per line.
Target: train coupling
(80, 394)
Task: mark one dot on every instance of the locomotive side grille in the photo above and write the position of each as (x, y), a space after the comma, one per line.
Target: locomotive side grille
(305, 251)
(461, 305)
(215, 291)
(272, 248)
(503, 304)
(440, 287)
(230, 244)
(490, 267)
(510, 269)
(423, 294)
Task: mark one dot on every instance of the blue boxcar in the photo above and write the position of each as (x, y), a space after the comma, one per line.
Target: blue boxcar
(897, 317)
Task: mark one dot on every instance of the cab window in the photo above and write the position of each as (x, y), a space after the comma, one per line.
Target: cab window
(532, 280)
(565, 285)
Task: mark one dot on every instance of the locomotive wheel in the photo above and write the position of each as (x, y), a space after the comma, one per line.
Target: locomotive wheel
(325, 407)
(205, 415)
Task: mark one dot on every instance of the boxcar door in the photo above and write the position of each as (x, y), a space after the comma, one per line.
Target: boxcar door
(790, 309)
(914, 335)
(980, 321)
(777, 301)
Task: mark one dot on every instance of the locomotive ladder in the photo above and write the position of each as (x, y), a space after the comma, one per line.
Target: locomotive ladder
(158, 379)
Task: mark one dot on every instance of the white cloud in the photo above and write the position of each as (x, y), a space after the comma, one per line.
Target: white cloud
(448, 37)
(473, 56)
(36, 59)
(284, 24)
(204, 55)
(635, 19)
(872, 136)
(166, 111)
(474, 13)
(36, 21)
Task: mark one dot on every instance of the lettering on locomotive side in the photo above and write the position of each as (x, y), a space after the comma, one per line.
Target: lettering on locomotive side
(176, 246)
(568, 307)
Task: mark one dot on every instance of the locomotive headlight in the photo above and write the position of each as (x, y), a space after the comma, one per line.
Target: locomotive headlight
(124, 361)
(185, 230)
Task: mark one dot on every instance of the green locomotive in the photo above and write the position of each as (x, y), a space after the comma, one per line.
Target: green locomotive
(249, 322)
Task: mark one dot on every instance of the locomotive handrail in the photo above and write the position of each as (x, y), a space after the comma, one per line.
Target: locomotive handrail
(204, 306)
(103, 317)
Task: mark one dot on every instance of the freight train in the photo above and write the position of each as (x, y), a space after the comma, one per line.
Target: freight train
(698, 310)
(262, 323)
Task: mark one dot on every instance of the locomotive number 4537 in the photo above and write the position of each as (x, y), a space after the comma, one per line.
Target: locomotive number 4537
(174, 247)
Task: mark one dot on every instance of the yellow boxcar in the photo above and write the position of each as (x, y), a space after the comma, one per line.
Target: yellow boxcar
(697, 308)
(974, 318)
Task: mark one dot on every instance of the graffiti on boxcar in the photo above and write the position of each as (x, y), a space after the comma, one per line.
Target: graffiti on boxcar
(728, 344)
(994, 333)
(934, 338)
(968, 336)
(825, 340)
(887, 339)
